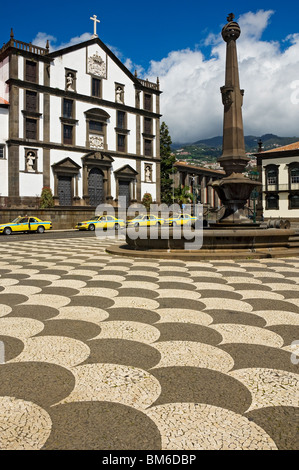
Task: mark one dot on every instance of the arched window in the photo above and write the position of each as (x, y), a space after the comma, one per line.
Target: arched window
(294, 176)
(294, 201)
(272, 202)
(96, 120)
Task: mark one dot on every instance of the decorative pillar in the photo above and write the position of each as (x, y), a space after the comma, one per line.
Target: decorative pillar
(234, 189)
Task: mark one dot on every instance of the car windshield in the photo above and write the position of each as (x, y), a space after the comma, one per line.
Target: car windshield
(94, 218)
(138, 217)
(15, 221)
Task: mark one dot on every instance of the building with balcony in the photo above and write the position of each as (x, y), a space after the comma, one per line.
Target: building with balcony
(78, 121)
(279, 172)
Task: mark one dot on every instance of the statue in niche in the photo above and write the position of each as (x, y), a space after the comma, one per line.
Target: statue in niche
(69, 82)
(30, 159)
(148, 174)
(118, 94)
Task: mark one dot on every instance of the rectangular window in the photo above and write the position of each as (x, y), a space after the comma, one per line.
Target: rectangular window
(148, 148)
(148, 102)
(121, 117)
(95, 126)
(67, 108)
(96, 87)
(31, 129)
(67, 134)
(272, 202)
(2, 155)
(272, 180)
(31, 71)
(294, 201)
(31, 101)
(121, 143)
(148, 125)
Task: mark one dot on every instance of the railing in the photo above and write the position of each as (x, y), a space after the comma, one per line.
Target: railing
(282, 187)
(24, 46)
(146, 83)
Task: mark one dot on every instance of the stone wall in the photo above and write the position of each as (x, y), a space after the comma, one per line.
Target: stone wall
(61, 218)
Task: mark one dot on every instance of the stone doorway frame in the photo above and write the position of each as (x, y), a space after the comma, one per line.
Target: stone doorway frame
(127, 173)
(103, 162)
(66, 167)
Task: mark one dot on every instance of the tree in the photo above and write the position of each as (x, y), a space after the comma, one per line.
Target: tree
(167, 162)
(147, 200)
(182, 195)
(46, 199)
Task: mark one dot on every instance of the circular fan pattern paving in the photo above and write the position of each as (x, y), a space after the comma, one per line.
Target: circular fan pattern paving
(111, 353)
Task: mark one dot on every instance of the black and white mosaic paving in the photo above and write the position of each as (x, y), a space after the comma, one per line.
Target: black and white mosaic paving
(111, 353)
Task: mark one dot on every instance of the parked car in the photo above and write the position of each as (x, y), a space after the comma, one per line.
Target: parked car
(103, 221)
(26, 224)
(180, 219)
(145, 221)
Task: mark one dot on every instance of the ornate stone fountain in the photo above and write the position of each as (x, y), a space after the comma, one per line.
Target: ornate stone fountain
(234, 235)
(234, 190)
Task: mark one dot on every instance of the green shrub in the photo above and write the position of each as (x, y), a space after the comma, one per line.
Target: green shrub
(46, 199)
(147, 200)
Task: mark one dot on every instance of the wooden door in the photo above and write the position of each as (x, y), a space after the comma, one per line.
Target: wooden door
(65, 190)
(96, 187)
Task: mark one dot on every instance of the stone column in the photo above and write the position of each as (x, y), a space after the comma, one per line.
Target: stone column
(234, 189)
(203, 190)
(13, 150)
(46, 130)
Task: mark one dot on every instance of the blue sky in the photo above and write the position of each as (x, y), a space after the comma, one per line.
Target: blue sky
(140, 32)
(181, 43)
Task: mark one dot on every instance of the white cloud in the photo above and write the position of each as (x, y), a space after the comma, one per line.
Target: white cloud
(191, 100)
(41, 40)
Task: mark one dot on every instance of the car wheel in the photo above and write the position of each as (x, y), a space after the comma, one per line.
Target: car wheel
(91, 227)
(40, 229)
(136, 224)
(117, 227)
(7, 231)
(173, 224)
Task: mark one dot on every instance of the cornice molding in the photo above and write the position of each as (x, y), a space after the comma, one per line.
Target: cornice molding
(78, 97)
(72, 148)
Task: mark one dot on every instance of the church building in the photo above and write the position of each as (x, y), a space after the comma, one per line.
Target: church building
(78, 121)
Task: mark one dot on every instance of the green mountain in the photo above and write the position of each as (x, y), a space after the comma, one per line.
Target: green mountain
(210, 149)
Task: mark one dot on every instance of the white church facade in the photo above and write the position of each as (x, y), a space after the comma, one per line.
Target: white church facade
(78, 121)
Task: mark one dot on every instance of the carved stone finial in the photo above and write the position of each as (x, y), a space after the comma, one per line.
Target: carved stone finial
(48, 45)
(11, 34)
(230, 17)
(136, 73)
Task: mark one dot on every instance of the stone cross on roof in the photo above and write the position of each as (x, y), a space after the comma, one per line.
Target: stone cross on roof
(231, 17)
(95, 21)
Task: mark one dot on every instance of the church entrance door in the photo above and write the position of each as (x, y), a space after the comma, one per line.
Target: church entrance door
(124, 191)
(65, 190)
(96, 187)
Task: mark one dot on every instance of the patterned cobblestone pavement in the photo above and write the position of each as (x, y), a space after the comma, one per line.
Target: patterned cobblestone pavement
(111, 353)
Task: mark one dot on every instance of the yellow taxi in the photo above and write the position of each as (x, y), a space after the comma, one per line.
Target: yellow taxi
(180, 219)
(103, 221)
(145, 221)
(26, 224)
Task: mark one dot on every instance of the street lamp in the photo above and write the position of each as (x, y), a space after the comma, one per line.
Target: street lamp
(254, 176)
(195, 196)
